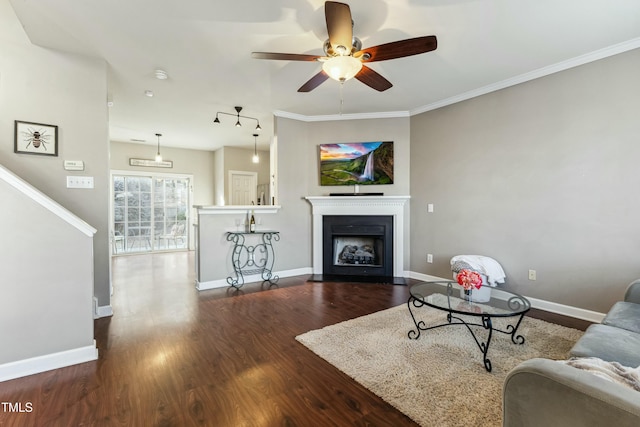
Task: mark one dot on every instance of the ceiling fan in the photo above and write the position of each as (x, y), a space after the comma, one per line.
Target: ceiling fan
(345, 57)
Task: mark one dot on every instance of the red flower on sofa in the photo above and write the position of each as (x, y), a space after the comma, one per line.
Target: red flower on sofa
(469, 279)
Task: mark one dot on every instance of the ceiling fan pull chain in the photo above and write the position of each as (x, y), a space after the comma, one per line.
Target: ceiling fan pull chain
(341, 96)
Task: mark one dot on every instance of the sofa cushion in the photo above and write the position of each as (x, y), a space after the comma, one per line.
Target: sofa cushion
(609, 343)
(625, 315)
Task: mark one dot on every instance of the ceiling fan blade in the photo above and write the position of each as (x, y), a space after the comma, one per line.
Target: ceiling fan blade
(339, 26)
(373, 79)
(398, 49)
(284, 56)
(314, 82)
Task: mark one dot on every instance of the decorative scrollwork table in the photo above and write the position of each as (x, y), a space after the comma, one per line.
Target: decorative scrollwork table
(440, 295)
(252, 259)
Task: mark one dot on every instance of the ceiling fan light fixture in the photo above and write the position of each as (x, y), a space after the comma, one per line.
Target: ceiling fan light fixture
(342, 68)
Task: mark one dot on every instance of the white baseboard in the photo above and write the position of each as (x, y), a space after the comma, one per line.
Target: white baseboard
(222, 283)
(424, 277)
(567, 310)
(105, 311)
(552, 307)
(211, 284)
(101, 311)
(48, 362)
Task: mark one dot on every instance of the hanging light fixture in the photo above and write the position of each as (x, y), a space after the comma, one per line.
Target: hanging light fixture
(238, 124)
(158, 155)
(255, 157)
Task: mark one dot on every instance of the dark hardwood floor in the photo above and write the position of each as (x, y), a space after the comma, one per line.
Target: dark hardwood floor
(173, 356)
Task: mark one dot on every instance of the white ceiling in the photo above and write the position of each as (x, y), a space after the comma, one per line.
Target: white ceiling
(206, 45)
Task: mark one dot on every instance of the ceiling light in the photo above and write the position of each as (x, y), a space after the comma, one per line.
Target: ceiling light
(161, 74)
(238, 116)
(342, 68)
(149, 93)
(158, 156)
(255, 158)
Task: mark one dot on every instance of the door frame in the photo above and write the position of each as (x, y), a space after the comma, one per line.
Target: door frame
(254, 175)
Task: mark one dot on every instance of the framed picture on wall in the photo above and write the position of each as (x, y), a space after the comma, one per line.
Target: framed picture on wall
(35, 138)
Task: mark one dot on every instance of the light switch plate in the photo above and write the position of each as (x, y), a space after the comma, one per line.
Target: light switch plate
(79, 182)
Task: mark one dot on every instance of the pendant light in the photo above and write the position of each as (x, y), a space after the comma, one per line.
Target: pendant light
(158, 156)
(255, 158)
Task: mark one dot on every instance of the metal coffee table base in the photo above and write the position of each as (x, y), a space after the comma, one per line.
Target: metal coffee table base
(487, 324)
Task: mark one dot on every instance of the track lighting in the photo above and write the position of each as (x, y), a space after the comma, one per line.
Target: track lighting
(238, 116)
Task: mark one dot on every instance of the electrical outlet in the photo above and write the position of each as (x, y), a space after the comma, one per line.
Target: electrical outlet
(429, 258)
(532, 275)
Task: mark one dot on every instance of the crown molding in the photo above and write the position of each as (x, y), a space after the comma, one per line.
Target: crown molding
(332, 117)
(522, 78)
(536, 74)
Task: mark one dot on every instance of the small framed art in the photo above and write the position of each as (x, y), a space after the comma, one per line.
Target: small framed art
(35, 138)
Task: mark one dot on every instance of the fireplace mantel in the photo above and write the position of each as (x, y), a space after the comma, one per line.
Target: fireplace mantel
(360, 205)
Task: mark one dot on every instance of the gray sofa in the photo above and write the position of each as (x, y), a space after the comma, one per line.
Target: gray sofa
(548, 393)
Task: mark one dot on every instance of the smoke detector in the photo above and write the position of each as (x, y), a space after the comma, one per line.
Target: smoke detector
(161, 74)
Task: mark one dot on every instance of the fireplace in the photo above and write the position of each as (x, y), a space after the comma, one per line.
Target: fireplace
(391, 253)
(358, 245)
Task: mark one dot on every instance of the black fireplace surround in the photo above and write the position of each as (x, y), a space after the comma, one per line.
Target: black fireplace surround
(370, 260)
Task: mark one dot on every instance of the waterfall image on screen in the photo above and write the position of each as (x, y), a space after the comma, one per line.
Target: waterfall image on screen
(367, 174)
(356, 163)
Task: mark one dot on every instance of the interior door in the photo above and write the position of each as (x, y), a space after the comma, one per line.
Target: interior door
(243, 187)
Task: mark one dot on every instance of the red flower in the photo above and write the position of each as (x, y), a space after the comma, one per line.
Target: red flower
(469, 279)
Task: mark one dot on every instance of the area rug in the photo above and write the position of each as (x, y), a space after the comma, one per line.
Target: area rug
(438, 379)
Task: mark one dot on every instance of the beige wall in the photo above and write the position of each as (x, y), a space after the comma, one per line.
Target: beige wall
(299, 174)
(370, 130)
(239, 159)
(46, 286)
(198, 163)
(298, 177)
(542, 176)
(219, 179)
(46, 86)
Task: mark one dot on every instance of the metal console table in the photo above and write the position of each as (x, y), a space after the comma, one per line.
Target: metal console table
(256, 259)
(439, 295)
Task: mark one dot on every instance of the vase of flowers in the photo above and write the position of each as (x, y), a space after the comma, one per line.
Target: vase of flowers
(472, 289)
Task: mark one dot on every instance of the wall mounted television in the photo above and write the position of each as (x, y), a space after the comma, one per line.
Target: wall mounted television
(356, 163)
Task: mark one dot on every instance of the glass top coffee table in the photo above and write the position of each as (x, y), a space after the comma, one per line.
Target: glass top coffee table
(445, 296)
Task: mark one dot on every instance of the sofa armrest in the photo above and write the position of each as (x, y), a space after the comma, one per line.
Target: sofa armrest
(633, 292)
(543, 393)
